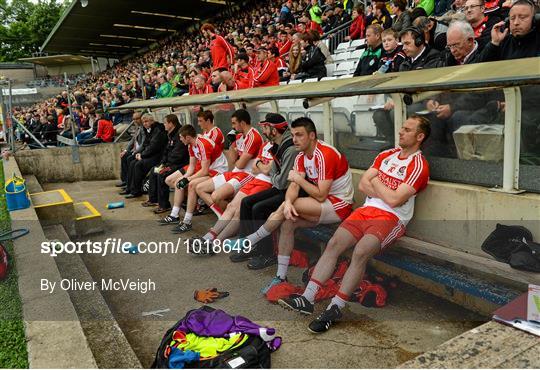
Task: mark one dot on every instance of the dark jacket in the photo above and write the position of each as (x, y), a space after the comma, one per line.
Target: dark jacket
(313, 63)
(437, 36)
(402, 21)
(176, 153)
(512, 47)
(154, 142)
(430, 58)
(369, 61)
(485, 30)
(448, 59)
(284, 156)
(397, 56)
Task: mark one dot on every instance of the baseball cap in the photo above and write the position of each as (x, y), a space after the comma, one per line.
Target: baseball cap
(274, 120)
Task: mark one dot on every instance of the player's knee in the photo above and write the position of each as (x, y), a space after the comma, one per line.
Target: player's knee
(361, 253)
(215, 197)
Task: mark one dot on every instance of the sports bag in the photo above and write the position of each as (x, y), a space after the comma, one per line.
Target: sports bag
(504, 240)
(526, 257)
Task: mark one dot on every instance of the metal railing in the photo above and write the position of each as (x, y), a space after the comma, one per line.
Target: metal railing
(337, 36)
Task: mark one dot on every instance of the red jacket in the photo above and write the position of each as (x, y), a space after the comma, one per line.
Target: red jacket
(207, 89)
(105, 130)
(219, 50)
(358, 28)
(267, 75)
(284, 48)
(245, 78)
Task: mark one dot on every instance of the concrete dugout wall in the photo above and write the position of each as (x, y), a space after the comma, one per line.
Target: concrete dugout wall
(98, 162)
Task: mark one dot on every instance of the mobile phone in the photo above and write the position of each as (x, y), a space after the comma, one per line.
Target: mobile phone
(506, 25)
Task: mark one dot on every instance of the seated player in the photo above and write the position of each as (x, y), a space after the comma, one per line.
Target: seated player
(273, 127)
(205, 159)
(223, 187)
(320, 192)
(390, 185)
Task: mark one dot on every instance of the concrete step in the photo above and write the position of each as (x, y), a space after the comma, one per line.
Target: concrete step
(55, 207)
(87, 219)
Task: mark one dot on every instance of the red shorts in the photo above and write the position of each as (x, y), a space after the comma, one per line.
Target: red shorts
(342, 209)
(211, 173)
(384, 225)
(255, 186)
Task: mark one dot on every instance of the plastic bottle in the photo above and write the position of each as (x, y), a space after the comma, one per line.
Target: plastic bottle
(384, 68)
(114, 205)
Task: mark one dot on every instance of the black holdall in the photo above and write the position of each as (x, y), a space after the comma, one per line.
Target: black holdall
(526, 257)
(504, 240)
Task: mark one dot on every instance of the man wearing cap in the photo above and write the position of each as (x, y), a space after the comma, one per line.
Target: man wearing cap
(267, 75)
(258, 192)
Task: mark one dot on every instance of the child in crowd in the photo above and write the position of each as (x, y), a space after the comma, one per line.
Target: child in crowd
(392, 56)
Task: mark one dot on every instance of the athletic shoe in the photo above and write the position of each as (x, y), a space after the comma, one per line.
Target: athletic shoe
(275, 281)
(298, 303)
(120, 184)
(201, 210)
(261, 262)
(325, 320)
(238, 254)
(200, 247)
(169, 220)
(182, 228)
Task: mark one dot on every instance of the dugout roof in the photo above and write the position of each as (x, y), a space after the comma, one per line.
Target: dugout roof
(116, 28)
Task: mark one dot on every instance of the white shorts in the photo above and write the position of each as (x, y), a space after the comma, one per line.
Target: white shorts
(328, 214)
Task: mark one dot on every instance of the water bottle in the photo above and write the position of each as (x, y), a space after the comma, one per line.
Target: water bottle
(114, 205)
(384, 67)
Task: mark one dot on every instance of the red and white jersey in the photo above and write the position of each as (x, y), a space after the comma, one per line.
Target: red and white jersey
(250, 143)
(265, 156)
(205, 149)
(327, 163)
(394, 171)
(216, 135)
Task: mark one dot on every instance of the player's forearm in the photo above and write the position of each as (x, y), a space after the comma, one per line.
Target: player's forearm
(313, 190)
(292, 192)
(383, 192)
(367, 188)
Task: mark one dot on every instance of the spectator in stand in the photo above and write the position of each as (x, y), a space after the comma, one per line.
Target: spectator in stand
(243, 73)
(522, 40)
(393, 54)
(462, 46)
(221, 51)
(286, 16)
(427, 5)
(380, 15)
(341, 15)
(370, 59)
(273, 55)
(358, 25)
(419, 54)
(480, 22)
(200, 86)
(295, 58)
(329, 20)
(228, 83)
(434, 32)
(151, 152)
(284, 44)
(267, 74)
(105, 130)
(134, 146)
(322, 46)
(403, 18)
(165, 89)
(215, 80)
(313, 60)
(315, 13)
(174, 157)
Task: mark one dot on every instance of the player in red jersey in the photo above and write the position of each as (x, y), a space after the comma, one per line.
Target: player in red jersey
(391, 185)
(221, 52)
(247, 145)
(320, 192)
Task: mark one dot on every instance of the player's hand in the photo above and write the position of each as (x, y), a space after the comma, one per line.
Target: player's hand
(294, 176)
(290, 212)
(389, 105)
(123, 153)
(138, 156)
